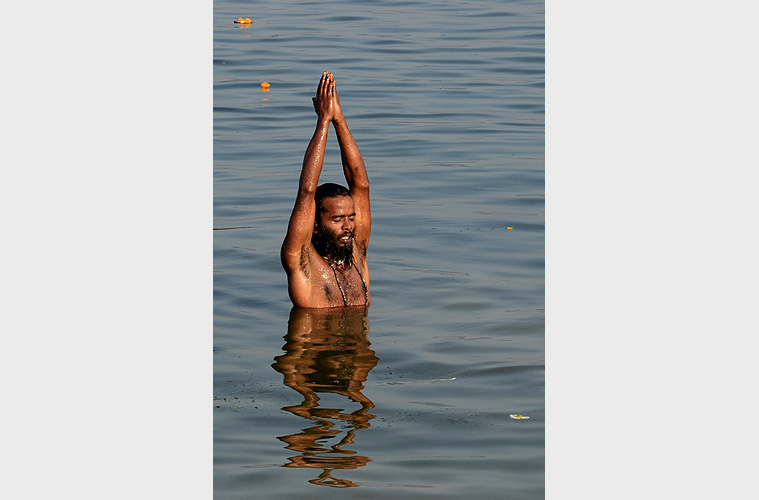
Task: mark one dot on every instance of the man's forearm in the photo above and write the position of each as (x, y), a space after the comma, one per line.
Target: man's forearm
(314, 157)
(353, 162)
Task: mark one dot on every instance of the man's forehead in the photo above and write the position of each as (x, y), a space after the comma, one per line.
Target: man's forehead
(338, 204)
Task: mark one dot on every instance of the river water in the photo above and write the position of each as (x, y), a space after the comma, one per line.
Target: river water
(437, 389)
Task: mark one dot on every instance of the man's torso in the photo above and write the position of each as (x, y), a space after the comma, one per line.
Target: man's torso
(333, 285)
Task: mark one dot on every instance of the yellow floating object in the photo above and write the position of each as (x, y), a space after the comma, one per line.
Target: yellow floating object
(518, 417)
(240, 20)
(265, 85)
(509, 228)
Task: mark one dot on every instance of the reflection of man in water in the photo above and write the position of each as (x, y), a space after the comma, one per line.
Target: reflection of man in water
(324, 252)
(327, 351)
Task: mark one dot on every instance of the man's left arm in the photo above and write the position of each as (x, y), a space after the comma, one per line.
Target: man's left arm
(355, 174)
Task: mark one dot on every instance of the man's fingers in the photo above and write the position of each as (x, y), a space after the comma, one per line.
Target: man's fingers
(320, 87)
(325, 88)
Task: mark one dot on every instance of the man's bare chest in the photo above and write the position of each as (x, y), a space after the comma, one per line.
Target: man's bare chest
(343, 284)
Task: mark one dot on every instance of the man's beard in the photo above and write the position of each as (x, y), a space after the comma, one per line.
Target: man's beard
(326, 246)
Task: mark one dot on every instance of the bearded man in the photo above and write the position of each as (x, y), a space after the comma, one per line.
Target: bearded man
(324, 252)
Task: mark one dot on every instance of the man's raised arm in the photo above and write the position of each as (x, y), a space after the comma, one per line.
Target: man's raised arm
(295, 247)
(355, 172)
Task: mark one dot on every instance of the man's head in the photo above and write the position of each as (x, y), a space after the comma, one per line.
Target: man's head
(334, 222)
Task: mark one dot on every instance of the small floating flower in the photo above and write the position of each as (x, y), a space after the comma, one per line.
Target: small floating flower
(516, 416)
(509, 228)
(240, 20)
(265, 84)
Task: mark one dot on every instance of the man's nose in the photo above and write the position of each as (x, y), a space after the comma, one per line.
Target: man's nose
(347, 224)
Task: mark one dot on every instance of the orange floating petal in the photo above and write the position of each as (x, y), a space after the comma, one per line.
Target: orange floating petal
(266, 85)
(509, 228)
(247, 20)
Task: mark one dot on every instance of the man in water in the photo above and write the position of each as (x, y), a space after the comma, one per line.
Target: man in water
(324, 252)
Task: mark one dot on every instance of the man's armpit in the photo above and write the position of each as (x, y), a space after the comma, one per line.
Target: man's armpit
(304, 261)
(361, 248)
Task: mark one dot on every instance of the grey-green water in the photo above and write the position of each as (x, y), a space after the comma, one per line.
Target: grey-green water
(445, 100)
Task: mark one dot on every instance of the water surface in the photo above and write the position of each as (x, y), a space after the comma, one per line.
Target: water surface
(411, 398)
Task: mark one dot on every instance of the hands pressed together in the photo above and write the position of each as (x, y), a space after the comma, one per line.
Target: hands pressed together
(326, 102)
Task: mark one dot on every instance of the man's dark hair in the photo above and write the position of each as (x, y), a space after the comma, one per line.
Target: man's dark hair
(328, 190)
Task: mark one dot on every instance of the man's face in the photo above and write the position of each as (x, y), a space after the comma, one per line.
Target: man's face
(338, 220)
(337, 223)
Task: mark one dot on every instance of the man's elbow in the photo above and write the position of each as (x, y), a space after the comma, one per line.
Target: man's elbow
(360, 185)
(307, 191)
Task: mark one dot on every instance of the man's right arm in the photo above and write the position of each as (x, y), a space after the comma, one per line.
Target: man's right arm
(301, 225)
(294, 252)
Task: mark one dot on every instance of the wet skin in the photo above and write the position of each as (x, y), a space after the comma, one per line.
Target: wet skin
(320, 277)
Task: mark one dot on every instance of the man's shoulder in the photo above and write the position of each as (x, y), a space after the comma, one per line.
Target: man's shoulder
(302, 261)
